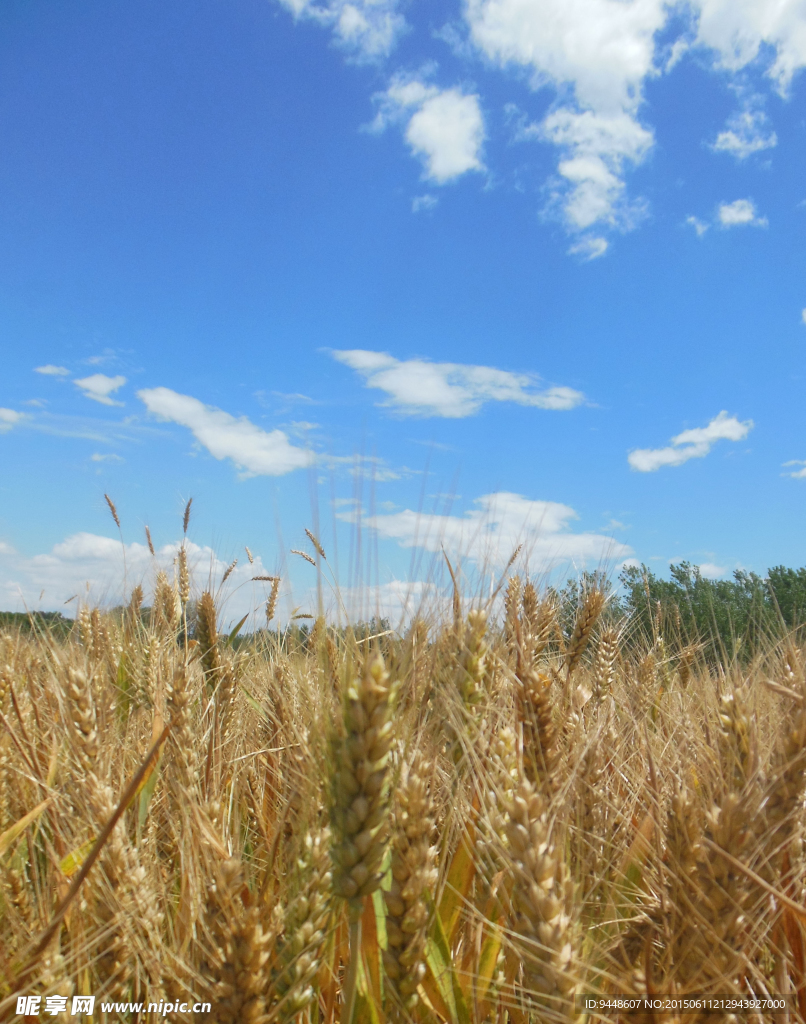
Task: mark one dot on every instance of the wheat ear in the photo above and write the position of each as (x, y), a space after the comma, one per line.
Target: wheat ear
(413, 878)
(271, 603)
(240, 951)
(82, 714)
(184, 576)
(315, 541)
(783, 799)
(360, 809)
(207, 637)
(186, 516)
(166, 603)
(604, 664)
(305, 925)
(113, 510)
(587, 616)
(535, 711)
(540, 905)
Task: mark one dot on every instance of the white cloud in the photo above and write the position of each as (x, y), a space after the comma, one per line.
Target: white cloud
(445, 127)
(490, 533)
(590, 248)
(803, 316)
(254, 451)
(690, 444)
(739, 31)
(8, 419)
(447, 132)
(99, 387)
(426, 202)
(108, 457)
(596, 147)
(92, 566)
(711, 571)
(367, 28)
(52, 371)
(740, 213)
(699, 226)
(598, 55)
(747, 132)
(418, 387)
(603, 50)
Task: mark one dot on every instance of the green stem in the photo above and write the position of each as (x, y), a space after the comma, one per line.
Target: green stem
(351, 981)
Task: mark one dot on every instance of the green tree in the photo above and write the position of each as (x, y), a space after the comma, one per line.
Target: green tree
(736, 615)
(788, 593)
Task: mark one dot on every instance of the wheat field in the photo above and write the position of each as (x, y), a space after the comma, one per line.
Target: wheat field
(482, 818)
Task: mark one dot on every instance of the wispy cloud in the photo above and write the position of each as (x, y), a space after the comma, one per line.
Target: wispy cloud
(690, 444)
(367, 29)
(747, 132)
(254, 451)
(699, 226)
(90, 428)
(99, 387)
(426, 202)
(9, 418)
(417, 387)
(590, 247)
(491, 531)
(108, 457)
(800, 472)
(362, 467)
(444, 127)
(740, 213)
(107, 356)
(52, 371)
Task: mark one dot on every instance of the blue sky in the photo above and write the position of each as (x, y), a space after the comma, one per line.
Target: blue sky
(465, 274)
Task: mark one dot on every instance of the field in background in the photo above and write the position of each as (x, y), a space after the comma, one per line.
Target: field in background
(474, 821)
